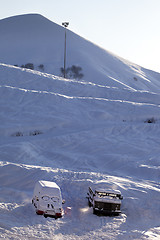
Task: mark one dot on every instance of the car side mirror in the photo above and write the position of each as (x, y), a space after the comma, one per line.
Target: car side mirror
(121, 197)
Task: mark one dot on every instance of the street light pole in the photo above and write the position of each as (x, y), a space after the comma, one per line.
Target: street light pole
(65, 24)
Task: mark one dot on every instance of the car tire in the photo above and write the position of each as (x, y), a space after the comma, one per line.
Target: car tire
(94, 211)
(89, 203)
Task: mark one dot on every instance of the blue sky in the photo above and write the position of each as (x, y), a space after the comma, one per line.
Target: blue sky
(128, 28)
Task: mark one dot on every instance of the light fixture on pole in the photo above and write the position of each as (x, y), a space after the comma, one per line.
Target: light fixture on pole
(65, 24)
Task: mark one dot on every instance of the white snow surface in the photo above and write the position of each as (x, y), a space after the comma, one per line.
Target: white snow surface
(93, 132)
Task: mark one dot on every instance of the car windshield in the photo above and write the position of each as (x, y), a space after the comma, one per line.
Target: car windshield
(55, 199)
(45, 198)
(101, 193)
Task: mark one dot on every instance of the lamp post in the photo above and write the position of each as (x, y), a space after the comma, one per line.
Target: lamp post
(65, 24)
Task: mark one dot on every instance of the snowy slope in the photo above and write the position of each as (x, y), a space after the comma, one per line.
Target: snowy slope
(33, 38)
(87, 134)
(77, 133)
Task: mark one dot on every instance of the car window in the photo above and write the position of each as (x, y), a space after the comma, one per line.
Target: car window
(55, 199)
(45, 198)
(101, 193)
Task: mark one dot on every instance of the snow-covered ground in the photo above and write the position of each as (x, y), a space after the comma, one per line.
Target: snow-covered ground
(88, 135)
(80, 134)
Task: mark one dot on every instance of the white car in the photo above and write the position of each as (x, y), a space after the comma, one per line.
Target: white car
(105, 201)
(47, 199)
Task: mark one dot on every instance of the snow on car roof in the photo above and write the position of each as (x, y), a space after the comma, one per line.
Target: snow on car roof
(48, 184)
(107, 190)
(107, 199)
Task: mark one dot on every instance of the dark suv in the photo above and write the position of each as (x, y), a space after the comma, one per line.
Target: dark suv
(105, 201)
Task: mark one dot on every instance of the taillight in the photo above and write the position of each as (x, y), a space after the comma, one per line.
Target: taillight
(58, 214)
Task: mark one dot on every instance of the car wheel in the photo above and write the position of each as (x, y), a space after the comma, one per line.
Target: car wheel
(89, 203)
(94, 211)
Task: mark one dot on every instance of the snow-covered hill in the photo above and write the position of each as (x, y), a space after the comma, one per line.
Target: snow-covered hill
(34, 39)
(103, 130)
